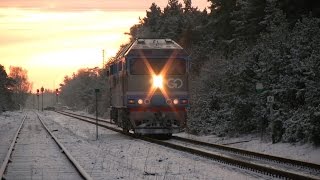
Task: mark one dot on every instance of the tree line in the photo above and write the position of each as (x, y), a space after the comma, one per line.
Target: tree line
(235, 45)
(14, 88)
(78, 91)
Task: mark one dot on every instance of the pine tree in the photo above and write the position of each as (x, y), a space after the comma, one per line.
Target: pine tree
(221, 12)
(187, 5)
(295, 9)
(152, 18)
(246, 20)
(172, 21)
(173, 7)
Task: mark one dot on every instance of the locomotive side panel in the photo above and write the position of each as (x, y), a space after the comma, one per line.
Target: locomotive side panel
(117, 82)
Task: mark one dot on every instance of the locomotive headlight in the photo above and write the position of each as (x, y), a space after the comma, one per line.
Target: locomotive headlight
(157, 81)
(140, 101)
(175, 101)
(131, 101)
(169, 101)
(184, 101)
(147, 101)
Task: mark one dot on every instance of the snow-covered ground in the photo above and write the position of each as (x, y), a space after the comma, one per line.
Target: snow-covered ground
(303, 152)
(115, 156)
(9, 124)
(37, 156)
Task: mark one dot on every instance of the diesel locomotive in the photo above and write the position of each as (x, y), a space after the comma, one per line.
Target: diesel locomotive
(148, 82)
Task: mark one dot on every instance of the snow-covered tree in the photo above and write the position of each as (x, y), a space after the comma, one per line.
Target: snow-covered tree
(246, 20)
(236, 45)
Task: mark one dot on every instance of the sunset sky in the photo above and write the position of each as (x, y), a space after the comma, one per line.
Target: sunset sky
(54, 38)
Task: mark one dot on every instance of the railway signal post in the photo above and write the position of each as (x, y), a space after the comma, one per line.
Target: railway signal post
(57, 96)
(42, 89)
(259, 90)
(38, 98)
(96, 92)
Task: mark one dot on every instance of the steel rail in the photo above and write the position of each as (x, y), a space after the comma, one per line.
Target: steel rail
(252, 153)
(93, 118)
(238, 150)
(239, 163)
(7, 158)
(73, 161)
(92, 122)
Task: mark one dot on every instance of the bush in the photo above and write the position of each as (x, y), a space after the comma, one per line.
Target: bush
(315, 128)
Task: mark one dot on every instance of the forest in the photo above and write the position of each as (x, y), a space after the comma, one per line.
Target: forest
(242, 51)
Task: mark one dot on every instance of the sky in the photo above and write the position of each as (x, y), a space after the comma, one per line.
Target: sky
(54, 38)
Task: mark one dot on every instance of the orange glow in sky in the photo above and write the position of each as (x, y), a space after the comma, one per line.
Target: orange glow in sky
(54, 38)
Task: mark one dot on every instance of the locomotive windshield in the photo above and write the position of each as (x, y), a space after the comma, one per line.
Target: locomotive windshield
(139, 67)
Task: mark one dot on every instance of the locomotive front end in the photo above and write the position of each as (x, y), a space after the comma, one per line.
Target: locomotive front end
(149, 87)
(158, 98)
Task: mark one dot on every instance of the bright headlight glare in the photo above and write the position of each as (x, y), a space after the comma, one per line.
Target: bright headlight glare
(157, 81)
(131, 101)
(140, 101)
(175, 101)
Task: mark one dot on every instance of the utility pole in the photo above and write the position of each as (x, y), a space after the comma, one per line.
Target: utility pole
(102, 58)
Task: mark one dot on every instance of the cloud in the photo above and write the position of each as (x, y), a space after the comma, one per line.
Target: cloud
(83, 5)
(74, 5)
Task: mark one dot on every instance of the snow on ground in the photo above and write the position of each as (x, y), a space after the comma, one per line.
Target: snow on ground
(37, 156)
(9, 124)
(303, 152)
(115, 156)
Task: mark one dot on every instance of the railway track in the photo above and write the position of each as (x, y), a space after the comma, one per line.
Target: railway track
(35, 153)
(10, 149)
(261, 163)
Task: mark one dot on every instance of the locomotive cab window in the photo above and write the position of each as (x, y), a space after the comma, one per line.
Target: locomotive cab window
(140, 66)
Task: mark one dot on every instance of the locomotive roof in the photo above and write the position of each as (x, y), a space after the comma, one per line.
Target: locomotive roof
(141, 44)
(155, 44)
(147, 44)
